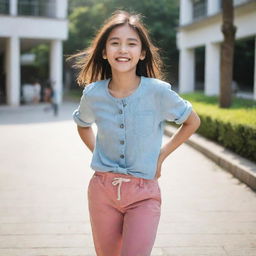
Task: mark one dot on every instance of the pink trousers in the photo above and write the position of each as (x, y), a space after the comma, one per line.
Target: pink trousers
(124, 214)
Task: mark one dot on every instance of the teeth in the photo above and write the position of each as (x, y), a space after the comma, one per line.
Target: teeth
(122, 59)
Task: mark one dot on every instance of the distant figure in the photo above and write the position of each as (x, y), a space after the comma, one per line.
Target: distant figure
(51, 95)
(47, 94)
(28, 93)
(55, 101)
(36, 92)
(31, 93)
(235, 87)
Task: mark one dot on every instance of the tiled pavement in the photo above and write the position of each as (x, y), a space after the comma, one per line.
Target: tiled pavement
(44, 173)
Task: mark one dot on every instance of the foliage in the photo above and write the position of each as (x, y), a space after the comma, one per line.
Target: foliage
(234, 128)
(83, 24)
(42, 52)
(160, 17)
(241, 111)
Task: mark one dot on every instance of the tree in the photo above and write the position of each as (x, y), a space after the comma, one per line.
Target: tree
(161, 18)
(227, 53)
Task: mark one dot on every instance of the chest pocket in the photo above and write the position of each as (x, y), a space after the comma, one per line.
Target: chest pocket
(144, 123)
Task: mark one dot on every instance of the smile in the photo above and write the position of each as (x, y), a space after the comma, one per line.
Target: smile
(122, 59)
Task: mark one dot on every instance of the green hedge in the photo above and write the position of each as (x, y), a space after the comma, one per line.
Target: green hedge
(234, 128)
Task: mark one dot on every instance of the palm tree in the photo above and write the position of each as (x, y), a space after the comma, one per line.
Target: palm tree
(227, 52)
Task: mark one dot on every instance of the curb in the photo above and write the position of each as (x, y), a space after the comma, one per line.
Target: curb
(239, 167)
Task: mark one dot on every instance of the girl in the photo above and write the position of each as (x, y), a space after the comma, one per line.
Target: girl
(129, 104)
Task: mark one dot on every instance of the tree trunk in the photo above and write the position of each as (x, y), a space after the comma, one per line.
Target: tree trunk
(227, 52)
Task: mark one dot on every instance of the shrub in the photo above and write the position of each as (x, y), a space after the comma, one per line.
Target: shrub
(234, 128)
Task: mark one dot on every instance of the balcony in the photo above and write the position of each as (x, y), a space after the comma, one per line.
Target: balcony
(37, 8)
(4, 6)
(199, 9)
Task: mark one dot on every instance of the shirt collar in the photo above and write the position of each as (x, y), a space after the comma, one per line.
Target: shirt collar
(127, 98)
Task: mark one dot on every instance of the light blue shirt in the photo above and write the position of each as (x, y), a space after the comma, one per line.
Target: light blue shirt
(130, 129)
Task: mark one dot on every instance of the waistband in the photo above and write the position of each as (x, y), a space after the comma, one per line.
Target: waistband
(116, 179)
(112, 175)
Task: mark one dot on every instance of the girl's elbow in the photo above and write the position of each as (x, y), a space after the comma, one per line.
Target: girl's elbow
(193, 121)
(198, 122)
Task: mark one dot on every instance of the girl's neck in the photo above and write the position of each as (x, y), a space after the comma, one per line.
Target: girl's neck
(124, 84)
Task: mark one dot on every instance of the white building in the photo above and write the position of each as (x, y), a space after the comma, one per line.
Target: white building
(24, 24)
(200, 26)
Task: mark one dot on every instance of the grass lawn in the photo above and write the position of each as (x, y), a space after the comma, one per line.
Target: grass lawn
(242, 111)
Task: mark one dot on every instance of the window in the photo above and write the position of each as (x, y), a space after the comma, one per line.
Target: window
(36, 8)
(4, 6)
(199, 9)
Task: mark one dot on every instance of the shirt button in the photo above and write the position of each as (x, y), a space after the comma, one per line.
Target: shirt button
(121, 125)
(121, 156)
(122, 142)
(120, 111)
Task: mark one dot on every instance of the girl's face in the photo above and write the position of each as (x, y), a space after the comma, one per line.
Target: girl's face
(123, 49)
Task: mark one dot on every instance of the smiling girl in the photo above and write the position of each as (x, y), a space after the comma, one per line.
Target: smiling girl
(126, 98)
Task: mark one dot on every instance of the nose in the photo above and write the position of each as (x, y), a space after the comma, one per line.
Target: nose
(123, 48)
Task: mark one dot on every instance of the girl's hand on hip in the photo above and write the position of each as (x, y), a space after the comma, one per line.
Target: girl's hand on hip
(158, 169)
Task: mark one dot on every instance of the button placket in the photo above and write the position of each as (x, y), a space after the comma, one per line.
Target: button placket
(121, 114)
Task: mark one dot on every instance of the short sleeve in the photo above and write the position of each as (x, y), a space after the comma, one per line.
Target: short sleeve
(83, 115)
(173, 107)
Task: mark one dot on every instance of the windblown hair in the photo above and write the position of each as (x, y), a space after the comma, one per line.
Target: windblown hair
(93, 67)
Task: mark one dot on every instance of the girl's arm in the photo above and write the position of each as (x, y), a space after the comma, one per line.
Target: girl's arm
(87, 136)
(180, 136)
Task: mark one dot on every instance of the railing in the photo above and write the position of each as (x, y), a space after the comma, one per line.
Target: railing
(45, 8)
(238, 2)
(199, 9)
(4, 7)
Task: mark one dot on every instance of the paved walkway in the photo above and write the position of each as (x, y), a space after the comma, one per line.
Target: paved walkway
(44, 173)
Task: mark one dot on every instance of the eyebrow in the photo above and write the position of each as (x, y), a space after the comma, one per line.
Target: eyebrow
(117, 38)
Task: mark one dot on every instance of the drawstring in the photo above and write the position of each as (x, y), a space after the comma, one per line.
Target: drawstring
(118, 181)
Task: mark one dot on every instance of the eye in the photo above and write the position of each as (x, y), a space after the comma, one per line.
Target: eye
(114, 43)
(132, 44)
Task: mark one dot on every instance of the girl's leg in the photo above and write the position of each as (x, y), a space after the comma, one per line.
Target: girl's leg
(140, 228)
(106, 221)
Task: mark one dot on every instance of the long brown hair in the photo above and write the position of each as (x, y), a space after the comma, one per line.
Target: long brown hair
(93, 67)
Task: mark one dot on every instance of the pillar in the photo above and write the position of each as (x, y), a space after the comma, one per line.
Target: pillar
(186, 11)
(186, 70)
(213, 7)
(61, 7)
(212, 69)
(13, 5)
(56, 68)
(254, 89)
(13, 71)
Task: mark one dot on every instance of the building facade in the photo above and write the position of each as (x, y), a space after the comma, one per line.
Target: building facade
(200, 26)
(24, 24)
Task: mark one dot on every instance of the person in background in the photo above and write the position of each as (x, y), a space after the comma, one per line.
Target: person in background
(36, 91)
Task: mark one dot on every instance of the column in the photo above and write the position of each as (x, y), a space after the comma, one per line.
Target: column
(186, 70)
(186, 11)
(212, 69)
(254, 89)
(13, 71)
(61, 7)
(213, 7)
(56, 68)
(13, 5)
